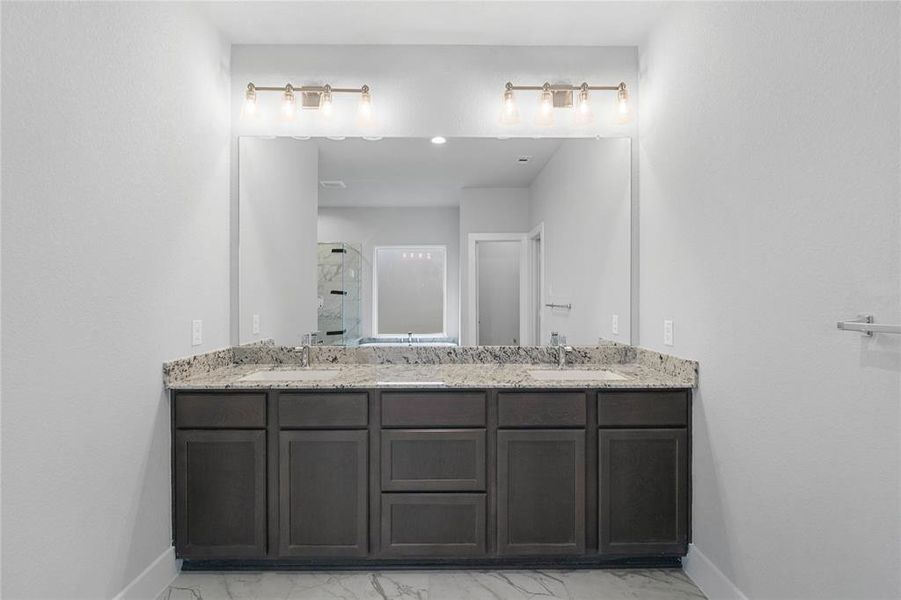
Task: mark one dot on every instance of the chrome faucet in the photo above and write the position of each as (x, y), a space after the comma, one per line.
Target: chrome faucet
(410, 337)
(307, 341)
(562, 349)
(559, 342)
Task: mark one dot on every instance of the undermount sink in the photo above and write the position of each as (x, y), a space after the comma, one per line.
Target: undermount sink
(292, 375)
(575, 375)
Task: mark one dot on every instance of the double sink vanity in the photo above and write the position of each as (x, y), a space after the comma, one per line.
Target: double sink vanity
(411, 456)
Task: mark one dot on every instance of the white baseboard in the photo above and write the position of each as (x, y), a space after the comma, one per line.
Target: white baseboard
(708, 577)
(154, 579)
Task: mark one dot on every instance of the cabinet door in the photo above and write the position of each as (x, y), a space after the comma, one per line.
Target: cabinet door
(541, 492)
(220, 494)
(643, 491)
(323, 507)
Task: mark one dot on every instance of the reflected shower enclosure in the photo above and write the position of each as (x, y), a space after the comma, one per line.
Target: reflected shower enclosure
(340, 267)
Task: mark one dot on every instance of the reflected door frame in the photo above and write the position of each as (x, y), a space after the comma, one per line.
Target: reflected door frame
(472, 288)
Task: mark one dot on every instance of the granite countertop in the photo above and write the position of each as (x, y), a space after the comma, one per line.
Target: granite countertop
(389, 376)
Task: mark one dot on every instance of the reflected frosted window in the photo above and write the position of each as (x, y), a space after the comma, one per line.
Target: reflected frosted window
(410, 290)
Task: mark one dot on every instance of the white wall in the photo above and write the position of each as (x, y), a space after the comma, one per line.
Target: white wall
(422, 91)
(114, 237)
(397, 226)
(279, 186)
(582, 197)
(498, 265)
(769, 211)
(487, 210)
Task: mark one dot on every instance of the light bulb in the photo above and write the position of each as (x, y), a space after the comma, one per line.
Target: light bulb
(439, 139)
(584, 114)
(509, 112)
(622, 99)
(325, 102)
(365, 107)
(545, 116)
(250, 99)
(547, 101)
(288, 101)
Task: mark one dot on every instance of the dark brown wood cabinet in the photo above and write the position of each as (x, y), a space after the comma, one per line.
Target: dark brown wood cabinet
(643, 482)
(220, 493)
(433, 525)
(401, 477)
(541, 492)
(323, 493)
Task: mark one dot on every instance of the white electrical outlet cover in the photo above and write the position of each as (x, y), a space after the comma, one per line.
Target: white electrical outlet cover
(614, 324)
(667, 333)
(196, 332)
(256, 324)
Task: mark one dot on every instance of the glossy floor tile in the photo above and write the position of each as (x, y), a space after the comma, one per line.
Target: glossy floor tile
(650, 584)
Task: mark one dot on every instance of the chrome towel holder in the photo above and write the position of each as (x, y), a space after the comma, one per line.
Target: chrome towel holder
(865, 325)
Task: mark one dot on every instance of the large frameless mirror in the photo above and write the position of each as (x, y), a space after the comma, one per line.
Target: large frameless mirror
(474, 241)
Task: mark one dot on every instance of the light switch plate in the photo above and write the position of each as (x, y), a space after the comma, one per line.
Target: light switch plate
(255, 328)
(614, 325)
(196, 332)
(667, 333)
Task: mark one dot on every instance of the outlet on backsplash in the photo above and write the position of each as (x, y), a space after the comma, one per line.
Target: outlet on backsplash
(667, 333)
(196, 332)
(614, 325)
(255, 326)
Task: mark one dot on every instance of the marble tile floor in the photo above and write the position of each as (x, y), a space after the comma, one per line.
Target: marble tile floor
(644, 584)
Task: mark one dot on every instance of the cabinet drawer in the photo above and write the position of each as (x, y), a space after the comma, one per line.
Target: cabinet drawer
(433, 524)
(643, 409)
(433, 460)
(433, 409)
(541, 409)
(222, 411)
(323, 411)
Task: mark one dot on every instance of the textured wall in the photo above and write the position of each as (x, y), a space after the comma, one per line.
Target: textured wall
(769, 211)
(114, 237)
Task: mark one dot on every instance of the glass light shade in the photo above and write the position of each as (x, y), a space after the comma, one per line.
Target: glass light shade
(584, 115)
(364, 110)
(545, 116)
(325, 103)
(250, 100)
(509, 111)
(288, 106)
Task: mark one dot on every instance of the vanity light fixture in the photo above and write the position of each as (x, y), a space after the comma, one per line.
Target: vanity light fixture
(313, 97)
(551, 96)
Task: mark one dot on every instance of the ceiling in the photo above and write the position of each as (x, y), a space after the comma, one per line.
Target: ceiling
(500, 22)
(406, 172)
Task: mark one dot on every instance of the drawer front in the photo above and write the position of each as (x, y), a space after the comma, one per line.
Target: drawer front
(433, 409)
(220, 411)
(433, 525)
(433, 460)
(323, 411)
(643, 409)
(541, 409)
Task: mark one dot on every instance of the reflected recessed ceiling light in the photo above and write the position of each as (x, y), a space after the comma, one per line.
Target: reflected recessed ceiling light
(302, 138)
(370, 138)
(439, 139)
(336, 138)
(335, 184)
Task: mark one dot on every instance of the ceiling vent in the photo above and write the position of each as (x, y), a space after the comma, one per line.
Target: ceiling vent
(333, 185)
(523, 159)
